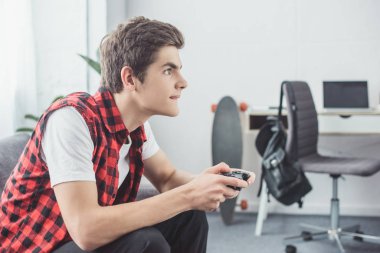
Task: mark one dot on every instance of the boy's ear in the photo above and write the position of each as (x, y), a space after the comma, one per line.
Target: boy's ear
(126, 75)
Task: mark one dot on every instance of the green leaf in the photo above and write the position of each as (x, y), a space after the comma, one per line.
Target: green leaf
(24, 129)
(32, 117)
(94, 64)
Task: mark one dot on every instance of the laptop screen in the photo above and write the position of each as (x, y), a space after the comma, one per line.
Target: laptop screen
(345, 94)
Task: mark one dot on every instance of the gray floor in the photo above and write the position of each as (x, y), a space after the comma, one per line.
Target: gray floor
(240, 238)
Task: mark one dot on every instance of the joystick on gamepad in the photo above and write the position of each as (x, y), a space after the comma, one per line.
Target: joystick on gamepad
(237, 174)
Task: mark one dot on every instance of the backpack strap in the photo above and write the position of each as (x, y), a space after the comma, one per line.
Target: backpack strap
(261, 180)
(261, 185)
(281, 96)
(278, 119)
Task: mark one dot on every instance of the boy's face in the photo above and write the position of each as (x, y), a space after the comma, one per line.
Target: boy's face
(163, 84)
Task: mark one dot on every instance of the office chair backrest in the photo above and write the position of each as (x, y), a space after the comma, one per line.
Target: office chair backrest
(302, 120)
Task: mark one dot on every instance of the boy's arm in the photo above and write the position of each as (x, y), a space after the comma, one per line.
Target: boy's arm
(91, 225)
(162, 174)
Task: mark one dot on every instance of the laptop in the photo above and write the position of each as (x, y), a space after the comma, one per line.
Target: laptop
(343, 96)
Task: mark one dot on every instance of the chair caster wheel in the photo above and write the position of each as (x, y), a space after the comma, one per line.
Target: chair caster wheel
(306, 236)
(358, 238)
(290, 249)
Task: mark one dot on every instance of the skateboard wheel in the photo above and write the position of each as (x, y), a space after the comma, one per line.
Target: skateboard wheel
(213, 107)
(243, 106)
(244, 204)
(306, 236)
(358, 238)
(290, 249)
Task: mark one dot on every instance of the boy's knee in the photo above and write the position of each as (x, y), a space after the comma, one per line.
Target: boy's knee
(199, 219)
(145, 240)
(152, 241)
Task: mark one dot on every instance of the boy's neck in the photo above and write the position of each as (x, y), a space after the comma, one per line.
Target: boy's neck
(131, 114)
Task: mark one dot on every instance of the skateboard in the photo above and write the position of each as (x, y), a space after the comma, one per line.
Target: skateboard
(227, 145)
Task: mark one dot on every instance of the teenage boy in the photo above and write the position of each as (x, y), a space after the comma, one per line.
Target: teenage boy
(74, 187)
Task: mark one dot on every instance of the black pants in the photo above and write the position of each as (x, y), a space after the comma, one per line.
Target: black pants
(184, 233)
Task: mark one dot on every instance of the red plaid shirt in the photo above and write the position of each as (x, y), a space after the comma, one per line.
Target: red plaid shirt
(30, 219)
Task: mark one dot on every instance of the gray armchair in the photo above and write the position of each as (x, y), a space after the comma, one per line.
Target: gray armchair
(302, 146)
(10, 151)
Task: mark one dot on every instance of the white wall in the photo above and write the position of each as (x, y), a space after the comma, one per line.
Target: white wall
(60, 33)
(245, 49)
(17, 65)
(238, 48)
(62, 30)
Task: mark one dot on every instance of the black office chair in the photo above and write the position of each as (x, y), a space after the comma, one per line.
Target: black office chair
(302, 146)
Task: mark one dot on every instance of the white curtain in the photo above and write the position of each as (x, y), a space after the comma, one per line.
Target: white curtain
(18, 91)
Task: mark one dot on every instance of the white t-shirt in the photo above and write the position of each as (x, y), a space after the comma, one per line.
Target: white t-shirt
(67, 148)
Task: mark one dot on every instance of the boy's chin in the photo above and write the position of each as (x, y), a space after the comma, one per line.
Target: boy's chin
(173, 113)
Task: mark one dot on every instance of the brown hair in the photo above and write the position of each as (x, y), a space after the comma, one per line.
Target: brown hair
(134, 44)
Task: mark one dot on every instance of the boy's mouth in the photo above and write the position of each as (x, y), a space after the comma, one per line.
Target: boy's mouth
(175, 97)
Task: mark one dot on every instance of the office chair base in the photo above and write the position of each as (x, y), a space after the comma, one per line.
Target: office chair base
(290, 249)
(334, 234)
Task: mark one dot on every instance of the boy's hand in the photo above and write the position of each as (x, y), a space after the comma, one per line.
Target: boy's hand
(209, 189)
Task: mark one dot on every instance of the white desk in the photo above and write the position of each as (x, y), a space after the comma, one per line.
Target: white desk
(350, 122)
(329, 122)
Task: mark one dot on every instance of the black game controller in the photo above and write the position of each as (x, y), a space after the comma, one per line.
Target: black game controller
(237, 174)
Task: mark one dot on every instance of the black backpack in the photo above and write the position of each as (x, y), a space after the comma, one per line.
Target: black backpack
(284, 177)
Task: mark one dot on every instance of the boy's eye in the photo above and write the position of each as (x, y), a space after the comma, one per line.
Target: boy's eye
(168, 71)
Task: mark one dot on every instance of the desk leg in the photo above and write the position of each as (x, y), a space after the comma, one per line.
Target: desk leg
(263, 212)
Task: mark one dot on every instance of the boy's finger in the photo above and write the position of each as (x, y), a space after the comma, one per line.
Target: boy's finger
(219, 168)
